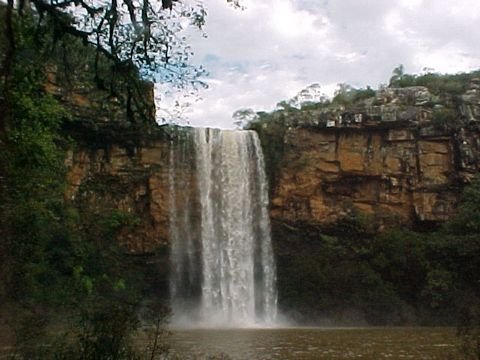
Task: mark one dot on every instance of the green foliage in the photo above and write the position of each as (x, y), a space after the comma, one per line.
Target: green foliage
(467, 221)
(438, 84)
(61, 267)
(456, 250)
(105, 326)
(340, 273)
(400, 257)
(438, 287)
(145, 36)
(242, 117)
(34, 201)
(445, 118)
(347, 95)
(110, 223)
(286, 106)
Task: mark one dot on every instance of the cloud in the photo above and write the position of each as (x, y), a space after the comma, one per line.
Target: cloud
(274, 48)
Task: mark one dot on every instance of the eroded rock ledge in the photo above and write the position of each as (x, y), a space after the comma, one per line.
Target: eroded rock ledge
(388, 157)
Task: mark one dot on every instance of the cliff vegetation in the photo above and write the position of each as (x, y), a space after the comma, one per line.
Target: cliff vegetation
(68, 290)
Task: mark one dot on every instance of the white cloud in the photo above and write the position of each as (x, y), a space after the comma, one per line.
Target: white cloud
(272, 50)
(290, 22)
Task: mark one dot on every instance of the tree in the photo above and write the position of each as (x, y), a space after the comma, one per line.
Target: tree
(146, 34)
(397, 75)
(348, 95)
(467, 220)
(310, 95)
(242, 117)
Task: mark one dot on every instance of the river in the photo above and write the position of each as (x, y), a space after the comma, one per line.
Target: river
(317, 343)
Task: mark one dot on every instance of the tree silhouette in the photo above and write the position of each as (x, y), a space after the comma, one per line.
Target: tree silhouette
(147, 34)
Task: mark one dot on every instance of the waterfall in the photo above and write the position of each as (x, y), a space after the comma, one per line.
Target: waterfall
(222, 267)
(184, 233)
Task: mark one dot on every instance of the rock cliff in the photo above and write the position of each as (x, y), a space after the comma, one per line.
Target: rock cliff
(118, 159)
(132, 181)
(383, 172)
(388, 158)
(400, 157)
(391, 157)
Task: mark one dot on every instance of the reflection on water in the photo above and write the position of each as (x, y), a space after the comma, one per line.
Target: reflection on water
(317, 343)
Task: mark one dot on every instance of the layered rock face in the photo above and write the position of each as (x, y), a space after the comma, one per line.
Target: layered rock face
(383, 172)
(134, 181)
(385, 160)
(119, 161)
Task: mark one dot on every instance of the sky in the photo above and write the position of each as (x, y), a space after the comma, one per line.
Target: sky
(272, 49)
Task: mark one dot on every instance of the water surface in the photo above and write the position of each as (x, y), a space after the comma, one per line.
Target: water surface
(317, 343)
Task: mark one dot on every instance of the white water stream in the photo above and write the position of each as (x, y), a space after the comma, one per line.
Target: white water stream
(222, 266)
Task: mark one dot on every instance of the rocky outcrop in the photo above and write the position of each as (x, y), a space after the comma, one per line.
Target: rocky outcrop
(118, 161)
(393, 173)
(134, 182)
(386, 158)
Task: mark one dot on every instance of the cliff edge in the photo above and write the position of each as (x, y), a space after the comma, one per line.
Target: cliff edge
(400, 157)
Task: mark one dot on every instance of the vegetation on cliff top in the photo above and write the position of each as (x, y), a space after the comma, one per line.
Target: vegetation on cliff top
(437, 84)
(444, 91)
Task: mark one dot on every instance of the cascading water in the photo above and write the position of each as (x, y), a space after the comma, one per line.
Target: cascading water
(222, 267)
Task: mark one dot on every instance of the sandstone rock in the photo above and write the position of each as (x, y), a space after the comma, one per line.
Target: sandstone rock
(125, 181)
(405, 170)
(393, 174)
(400, 135)
(433, 206)
(152, 155)
(364, 208)
(439, 147)
(351, 152)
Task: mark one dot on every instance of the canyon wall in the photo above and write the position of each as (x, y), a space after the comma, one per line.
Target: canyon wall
(377, 166)
(400, 169)
(388, 173)
(347, 183)
(118, 158)
(397, 176)
(133, 181)
(389, 160)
